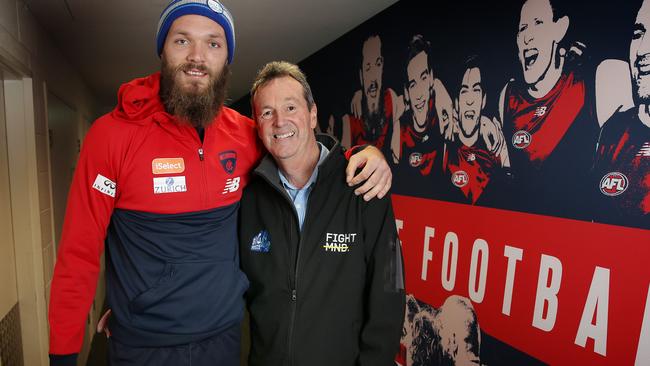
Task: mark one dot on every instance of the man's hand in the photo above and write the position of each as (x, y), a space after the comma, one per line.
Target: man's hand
(376, 173)
(355, 104)
(445, 109)
(492, 134)
(102, 325)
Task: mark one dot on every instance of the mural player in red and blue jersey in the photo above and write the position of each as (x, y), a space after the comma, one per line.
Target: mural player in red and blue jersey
(469, 163)
(548, 119)
(622, 167)
(418, 141)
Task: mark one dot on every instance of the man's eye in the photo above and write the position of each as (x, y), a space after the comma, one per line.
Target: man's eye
(637, 34)
(214, 45)
(291, 108)
(266, 115)
(538, 22)
(182, 41)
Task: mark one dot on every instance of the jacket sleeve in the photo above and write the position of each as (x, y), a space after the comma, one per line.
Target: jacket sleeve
(385, 298)
(90, 204)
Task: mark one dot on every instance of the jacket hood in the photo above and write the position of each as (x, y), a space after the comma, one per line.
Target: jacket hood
(138, 100)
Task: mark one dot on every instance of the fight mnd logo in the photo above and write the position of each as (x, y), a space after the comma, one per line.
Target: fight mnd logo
(339, 243)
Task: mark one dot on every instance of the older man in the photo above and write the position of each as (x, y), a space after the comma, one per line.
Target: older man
(325, 266)
(158, 183)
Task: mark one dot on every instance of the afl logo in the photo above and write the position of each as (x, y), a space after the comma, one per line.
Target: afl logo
(613, 184)
(415, 159)
(460, 179)
(521, 139)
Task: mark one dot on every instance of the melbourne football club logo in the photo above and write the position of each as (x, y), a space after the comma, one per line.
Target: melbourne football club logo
(613, 184)
(521, 139)
(261, 243)
(228, 160)
(460, 179)
(415, 159)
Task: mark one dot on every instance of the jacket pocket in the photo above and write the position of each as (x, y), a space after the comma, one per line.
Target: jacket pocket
(191, 298)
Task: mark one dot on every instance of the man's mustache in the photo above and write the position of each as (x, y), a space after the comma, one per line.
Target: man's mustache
(192, 66)
(642, 60)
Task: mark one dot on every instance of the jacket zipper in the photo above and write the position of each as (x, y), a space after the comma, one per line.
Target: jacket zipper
(294, 298)
(204, 188)
(294, 285)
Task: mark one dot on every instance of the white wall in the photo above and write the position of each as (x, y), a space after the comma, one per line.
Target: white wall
(27, 51)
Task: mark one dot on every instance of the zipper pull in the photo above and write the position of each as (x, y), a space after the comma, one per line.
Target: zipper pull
(293, 294)
(201, 154)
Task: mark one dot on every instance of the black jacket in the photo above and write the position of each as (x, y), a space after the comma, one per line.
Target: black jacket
(332, 294)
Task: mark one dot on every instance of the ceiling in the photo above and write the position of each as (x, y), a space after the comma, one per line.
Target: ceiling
(112, 41)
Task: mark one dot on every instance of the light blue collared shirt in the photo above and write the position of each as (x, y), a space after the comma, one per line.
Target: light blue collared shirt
(299, 197)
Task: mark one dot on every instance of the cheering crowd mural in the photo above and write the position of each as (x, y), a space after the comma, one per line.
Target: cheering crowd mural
(519, 138)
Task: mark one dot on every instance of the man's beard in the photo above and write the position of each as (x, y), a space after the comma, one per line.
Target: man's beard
(373, 122)
(197, 107)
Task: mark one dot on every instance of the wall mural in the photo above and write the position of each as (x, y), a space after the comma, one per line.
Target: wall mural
(519, 137)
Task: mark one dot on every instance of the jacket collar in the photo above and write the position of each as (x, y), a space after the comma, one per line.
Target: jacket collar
(268, 169)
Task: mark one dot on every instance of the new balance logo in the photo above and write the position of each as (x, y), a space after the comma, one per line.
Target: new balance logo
(540, 111)
(232, 185)
(644, 151)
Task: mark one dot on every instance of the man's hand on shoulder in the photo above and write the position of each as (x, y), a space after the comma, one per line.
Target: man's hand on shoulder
(375, 173)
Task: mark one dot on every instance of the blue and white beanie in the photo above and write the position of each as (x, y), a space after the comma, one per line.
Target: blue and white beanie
(208, 8)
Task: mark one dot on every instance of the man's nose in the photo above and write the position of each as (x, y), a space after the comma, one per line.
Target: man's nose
(196, 53)
(528, 36)
(644, 48)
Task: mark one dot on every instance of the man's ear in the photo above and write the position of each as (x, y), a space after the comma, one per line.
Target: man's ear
(561, 28)
(313, 116)
(407, 99)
